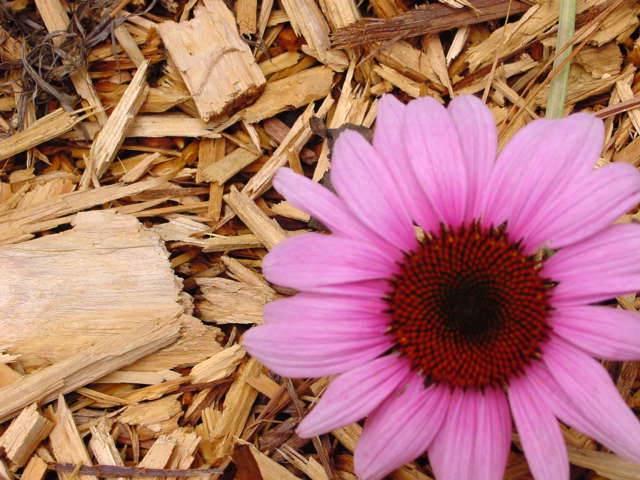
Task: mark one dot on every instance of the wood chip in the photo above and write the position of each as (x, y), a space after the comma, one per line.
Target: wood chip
(16, 224)
(270, 470)
(247, 16)
(129, 45)
(280, 62)
(107, 143)
(227, 244)
(406, 59)
(44, 129)
(160, 452)
(170, 125)
(222, 170)
(266, 230)
(66, 443)
(5, 473)
(137, 274)
(24, 435)
(10, 48)
(228, 301)
(103, 447)
(340, 13)
(307, 20)
(408, 86)
(216, 65)
(235, 412)
(219, 366)
(83, 368)
(35, 469)
(289, 93)
(151, 413)
(605, 464)
(309, 466)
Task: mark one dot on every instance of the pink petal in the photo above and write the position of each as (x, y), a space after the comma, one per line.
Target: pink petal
(365, 289)
(601, 267)
(312, 259)
(296, 351)
(539, 431)
(345, 312)
(400, 429)
(474, 440)
(536, 166)
(323, 205)
(354, 394)
(388, 141)
(479, 140)
(435, 153)
(604, 332)
(363, 181)
(590, 399)
(588, 205)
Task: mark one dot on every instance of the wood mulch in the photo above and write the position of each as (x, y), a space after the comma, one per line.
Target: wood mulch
(138, 141)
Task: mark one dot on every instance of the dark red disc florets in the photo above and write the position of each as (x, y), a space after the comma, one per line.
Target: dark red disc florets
(469, 308)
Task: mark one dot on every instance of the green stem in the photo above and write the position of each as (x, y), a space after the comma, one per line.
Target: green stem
(559, 84)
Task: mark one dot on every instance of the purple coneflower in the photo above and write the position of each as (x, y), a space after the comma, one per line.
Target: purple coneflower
(494, 312)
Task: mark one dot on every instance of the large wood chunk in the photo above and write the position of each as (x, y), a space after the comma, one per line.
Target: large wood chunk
(215, 63)
(84, 303)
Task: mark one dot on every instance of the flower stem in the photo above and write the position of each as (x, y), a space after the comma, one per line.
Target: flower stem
(559, 84)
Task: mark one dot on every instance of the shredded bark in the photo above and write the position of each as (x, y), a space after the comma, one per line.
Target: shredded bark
(429, 19)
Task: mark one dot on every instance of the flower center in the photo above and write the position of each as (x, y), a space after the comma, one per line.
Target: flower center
(469, 308)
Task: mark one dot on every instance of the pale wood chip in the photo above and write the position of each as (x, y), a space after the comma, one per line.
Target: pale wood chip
(307, 20)
(229, 301)
(66, 443)
(221, 433)
(292, 92)
(150, 413)
(247, 16)
(219, 366)
(309, 465)
(216, 65)
(35, 469)
(24, 435)
(107, 143)
(129, 45)
(103, 447)
(340, 13)
(266, 229)
(42, 130)
(223, 169)
(408, 86)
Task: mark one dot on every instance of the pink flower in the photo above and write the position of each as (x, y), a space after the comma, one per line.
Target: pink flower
(494, 313)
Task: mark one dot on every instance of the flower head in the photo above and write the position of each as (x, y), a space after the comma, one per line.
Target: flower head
(492, 312)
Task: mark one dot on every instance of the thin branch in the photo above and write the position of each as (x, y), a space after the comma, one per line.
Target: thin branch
(618, 108)
(117, 471)
(432, 18)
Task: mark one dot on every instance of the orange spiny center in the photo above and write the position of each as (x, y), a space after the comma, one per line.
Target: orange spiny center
(469, 308)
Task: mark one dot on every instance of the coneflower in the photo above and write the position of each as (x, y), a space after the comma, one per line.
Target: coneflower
(493, 310)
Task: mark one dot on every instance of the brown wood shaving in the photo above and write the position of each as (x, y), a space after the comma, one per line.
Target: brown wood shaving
(433, 18)
(118, 471)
